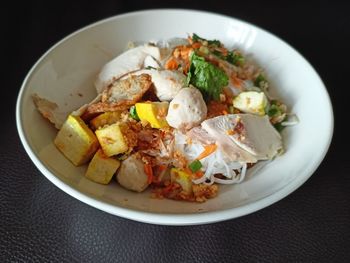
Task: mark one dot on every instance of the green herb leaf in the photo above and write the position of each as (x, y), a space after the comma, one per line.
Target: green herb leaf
(278, 126)
(214, 42)
(208, 78)
(121, 156)
(274, 110)
(235, 58)
(232, 57)
(218, 54)
(195, 166)
(196, 38)
(258, 80)
(133, 113)
(150, 67)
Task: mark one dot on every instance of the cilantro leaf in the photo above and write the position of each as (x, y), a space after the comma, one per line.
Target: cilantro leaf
(208, 78)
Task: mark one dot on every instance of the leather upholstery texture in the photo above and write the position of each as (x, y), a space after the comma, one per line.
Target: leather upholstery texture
(41, 223)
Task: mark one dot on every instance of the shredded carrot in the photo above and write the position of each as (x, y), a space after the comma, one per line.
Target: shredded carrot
(149, 172)
(162, 167)
(186, 67)
(198, 174)
(216, 108)
(208, 149)
(224, 112)
(236, 81)
(222, 50)
(196, 45)
(190, 39)
(230, 132)
(170, 188)
(171, 64)
(157, 170)
(184, 52)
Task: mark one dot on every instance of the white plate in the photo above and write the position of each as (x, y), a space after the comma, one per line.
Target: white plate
(68, 70)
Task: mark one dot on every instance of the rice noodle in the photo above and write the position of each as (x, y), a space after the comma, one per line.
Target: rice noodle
(292, 120)
(212, 164)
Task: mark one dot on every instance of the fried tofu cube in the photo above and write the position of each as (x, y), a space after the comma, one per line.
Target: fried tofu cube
(76, 141)
(106, 118)
(153, 112)
(102, 168)
(112, 139)
(182, 178)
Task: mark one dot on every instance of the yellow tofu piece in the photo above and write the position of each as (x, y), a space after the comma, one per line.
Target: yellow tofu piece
(153, 112)
(76, 141)
(182, 178)
(102, 168)
(112, 140)
(251, 102)
(106, 118)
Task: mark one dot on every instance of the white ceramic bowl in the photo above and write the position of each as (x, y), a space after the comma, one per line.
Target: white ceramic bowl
(69, 68)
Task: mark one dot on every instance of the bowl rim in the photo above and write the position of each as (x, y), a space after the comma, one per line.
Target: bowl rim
(170, 218)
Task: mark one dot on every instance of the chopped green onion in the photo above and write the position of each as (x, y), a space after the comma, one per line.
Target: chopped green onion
(214, 43)
(150, 67)
(258, 80)
(273, 111)
(195, 166)
(196, 38)
(235, 58)
(121, 156)
(133, 113)
(278, 126)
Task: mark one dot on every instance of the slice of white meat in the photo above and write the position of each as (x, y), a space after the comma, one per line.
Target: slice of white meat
(49, 110)
(187, 109)
(167, 83)
(131, 174)
(151, 62)
(131, 60)
(171, 43)
(167, 47)
(232, 152)
(198, 134)
(259, 137)
(252, 133)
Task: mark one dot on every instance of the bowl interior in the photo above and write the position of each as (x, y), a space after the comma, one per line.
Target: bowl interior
(66, 73)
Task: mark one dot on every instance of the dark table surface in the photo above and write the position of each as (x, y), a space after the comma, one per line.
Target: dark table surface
(39, 222)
